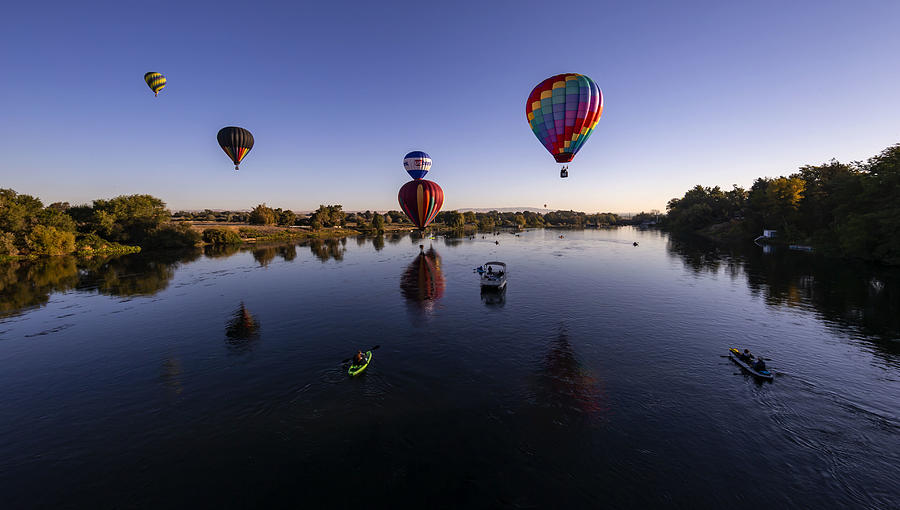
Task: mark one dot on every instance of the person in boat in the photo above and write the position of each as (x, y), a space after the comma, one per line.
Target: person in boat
(760, 365)
(746, 356)
(359, 358)
(490, 270)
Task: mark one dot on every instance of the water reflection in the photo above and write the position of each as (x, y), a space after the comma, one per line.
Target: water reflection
(241, 330)
(422, 284)
(215, 251)
(378, 242)
(29, 283)
(263, 255)
(142, 274)
(327, 249)
(848, 295)
(567, 387)
(493, 297)
(452, 242)
(26, 284)
(172, 375)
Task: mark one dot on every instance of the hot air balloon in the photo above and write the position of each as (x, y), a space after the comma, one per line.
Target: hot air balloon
(417, 164)
(236, 142)
(421, 200)
(563, 111)
(156, 82)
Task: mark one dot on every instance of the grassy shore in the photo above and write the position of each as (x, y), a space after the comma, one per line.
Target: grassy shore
(265, 233)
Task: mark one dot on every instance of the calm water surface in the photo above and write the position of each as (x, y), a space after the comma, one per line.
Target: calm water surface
(596, 379)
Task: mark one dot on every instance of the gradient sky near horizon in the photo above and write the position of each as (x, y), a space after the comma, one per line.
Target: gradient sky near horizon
(335, 93)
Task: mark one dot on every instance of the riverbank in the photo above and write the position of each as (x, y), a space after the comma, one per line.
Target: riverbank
(265, 233)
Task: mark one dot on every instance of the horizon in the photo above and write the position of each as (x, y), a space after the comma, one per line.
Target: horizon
(710, 94)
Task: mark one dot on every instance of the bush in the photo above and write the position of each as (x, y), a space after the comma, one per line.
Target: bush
(92, 243)
(43, 240)
(172, 235)
(220, 236)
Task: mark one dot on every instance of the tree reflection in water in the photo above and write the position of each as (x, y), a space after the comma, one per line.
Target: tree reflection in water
(378, 242)
(29, 284)
(327, 249)
(142, 274)
(215, 251)
(25, 284)
(422, 283)
(241, 330)
(852, 296)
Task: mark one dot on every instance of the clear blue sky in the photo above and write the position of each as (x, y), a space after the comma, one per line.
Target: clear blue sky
(335, 93)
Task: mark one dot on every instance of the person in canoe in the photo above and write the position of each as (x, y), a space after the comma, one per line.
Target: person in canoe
(746, 356)
(358, 359)
(760, 365)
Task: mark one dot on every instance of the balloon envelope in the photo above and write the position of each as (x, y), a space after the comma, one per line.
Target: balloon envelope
(563, 111)
(236, 142)
(156, 82)
(417, 164)
(421, 200)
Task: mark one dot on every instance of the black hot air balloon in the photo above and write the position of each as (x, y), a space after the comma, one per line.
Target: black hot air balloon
(236, 142)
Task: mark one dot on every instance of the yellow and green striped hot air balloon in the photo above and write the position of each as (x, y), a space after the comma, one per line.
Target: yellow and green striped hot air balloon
(156, 82)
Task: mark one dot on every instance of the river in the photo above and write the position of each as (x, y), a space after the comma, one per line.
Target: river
(597, 379)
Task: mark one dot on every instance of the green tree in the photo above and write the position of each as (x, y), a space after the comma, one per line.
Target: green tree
(378, 222)
(8, 244)
(287, 217)
(262, 215)
(128, 218)
(44, 240)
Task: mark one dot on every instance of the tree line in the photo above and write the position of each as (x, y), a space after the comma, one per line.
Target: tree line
(119, 225)
(333, 216)
(842, 209)
(129, 223)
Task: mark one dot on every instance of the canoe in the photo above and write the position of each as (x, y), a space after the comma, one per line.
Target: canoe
(762, 374)
(355, 370)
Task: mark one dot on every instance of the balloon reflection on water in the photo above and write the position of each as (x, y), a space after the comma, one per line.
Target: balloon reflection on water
(422, 283)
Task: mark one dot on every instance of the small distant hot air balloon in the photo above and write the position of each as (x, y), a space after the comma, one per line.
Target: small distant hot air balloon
(156, 82)
(563, 111)
(421, 200)
(417, 164)
(236, 142)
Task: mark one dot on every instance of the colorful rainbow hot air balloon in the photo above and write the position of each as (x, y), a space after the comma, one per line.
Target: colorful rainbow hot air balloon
(236, 142)
(156, 82)
(417, 164)
(563, 111)
(421, 200)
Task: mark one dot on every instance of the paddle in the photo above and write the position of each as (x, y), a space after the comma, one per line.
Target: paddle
(372, 349)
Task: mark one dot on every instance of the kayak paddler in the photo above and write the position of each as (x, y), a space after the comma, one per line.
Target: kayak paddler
(359, 358)
(746, 356)
(760, 365)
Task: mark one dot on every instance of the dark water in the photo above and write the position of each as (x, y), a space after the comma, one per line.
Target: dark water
(595, 380)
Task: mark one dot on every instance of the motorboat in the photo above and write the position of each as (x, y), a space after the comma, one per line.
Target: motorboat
(494, 275)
